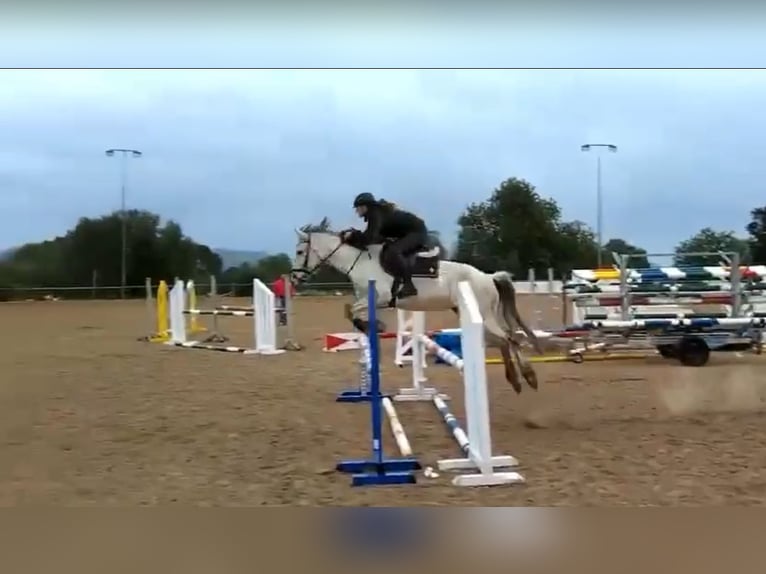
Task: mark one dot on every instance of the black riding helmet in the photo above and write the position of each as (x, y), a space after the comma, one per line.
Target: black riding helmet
(364, 199)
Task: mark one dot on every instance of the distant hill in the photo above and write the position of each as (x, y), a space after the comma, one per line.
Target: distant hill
(7, 253)
(236, 257)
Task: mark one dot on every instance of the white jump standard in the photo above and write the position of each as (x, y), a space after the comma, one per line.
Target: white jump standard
(477, 442)
(409, 352)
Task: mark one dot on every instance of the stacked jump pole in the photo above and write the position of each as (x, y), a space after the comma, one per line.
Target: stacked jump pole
(624, 288)
(651, 308)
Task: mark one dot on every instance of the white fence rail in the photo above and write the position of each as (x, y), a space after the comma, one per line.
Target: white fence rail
(529, 285)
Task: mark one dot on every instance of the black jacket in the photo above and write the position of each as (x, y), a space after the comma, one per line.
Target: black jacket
(387, 222)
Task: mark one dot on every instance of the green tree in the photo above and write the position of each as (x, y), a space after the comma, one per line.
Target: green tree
(576, 248)
(92, 250)
(478, 227)
(273, 266)
(708, 240)
(514, 229)
(517, 229)
(757, 230)
(238, 280)
(622, 247)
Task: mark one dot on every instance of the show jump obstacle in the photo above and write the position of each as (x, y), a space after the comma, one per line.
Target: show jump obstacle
(159, 316)
(377, 469)
(476, 444)
(264, 322)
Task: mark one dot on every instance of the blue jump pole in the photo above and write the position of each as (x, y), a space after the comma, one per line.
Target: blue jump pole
(378, 469)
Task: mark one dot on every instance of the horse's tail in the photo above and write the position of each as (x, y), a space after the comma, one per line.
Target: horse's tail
(507, 293)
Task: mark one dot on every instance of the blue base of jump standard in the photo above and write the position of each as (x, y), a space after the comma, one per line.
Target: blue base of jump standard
(377, 473)
(377, 470)
(354, 396)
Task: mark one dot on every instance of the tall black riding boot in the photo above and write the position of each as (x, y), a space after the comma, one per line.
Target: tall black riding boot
(408, 288)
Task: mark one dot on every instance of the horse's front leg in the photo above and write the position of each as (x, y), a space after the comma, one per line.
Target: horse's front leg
(358, 314)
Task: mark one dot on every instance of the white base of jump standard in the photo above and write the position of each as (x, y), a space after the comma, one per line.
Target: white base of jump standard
(490, 478)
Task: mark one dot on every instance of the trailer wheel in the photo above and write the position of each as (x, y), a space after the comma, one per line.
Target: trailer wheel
(693, 352)
(668, 351)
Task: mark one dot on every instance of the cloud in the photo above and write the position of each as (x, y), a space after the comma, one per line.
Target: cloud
(240, 157)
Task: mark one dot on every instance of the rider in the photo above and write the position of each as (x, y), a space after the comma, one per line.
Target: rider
(407, 232)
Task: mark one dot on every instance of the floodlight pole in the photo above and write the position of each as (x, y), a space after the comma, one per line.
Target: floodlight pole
(124, 154)
(599, 202)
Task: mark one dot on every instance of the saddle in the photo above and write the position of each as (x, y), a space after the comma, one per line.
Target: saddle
(423, 263)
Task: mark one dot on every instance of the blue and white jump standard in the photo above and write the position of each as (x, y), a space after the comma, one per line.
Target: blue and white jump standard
(377, 470)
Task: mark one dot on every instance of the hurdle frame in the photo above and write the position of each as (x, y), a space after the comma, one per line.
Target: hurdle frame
(264, 321)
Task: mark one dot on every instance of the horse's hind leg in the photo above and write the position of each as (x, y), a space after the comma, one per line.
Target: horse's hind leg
(510, 369)
(496, 338)
(511, 316)
(527, 371)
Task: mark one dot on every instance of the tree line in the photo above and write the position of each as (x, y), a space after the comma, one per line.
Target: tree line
(514, 229)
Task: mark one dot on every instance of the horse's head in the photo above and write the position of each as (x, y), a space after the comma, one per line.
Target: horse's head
(313, 250)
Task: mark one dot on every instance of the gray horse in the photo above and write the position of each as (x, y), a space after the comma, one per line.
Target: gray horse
(437, 284)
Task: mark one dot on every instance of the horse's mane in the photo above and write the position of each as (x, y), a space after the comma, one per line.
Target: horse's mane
(336, 234)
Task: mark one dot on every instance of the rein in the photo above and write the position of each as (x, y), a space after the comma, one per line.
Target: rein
(308, 272)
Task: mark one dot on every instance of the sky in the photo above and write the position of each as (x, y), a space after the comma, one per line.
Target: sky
(241, 157)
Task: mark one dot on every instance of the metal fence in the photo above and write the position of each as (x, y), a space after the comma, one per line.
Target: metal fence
(531, 285)
(139, 291)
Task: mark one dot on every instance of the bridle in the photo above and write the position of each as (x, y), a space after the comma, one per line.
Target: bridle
(307, 271)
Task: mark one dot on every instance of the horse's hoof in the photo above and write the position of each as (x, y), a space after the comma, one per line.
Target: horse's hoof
(360, 324)
(531, 377)
(381, 326)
